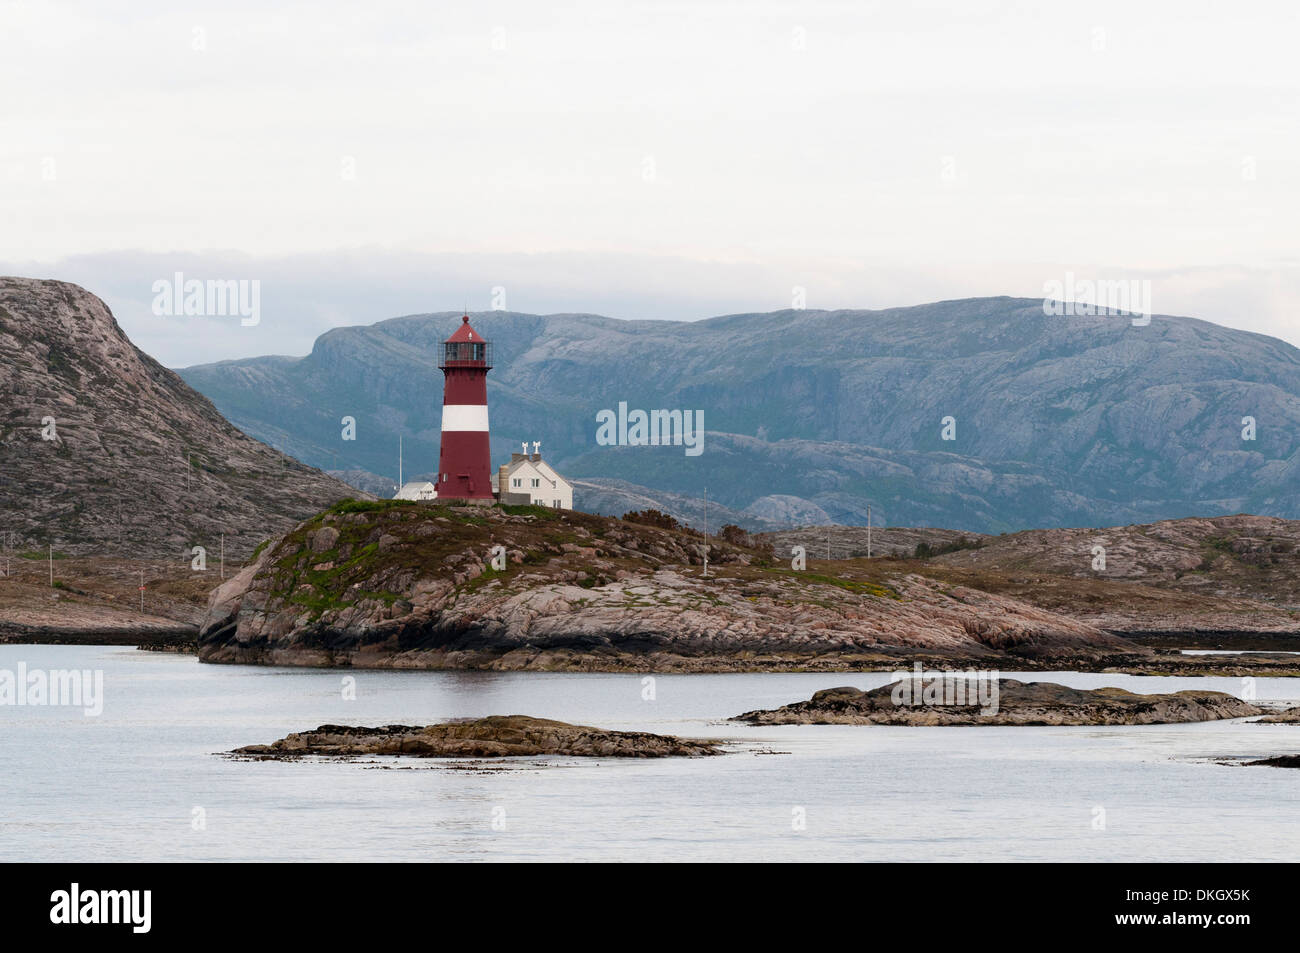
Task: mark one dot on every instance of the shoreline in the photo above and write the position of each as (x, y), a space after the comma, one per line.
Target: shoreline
(565, 660)
(181, 638)
(1164, 660)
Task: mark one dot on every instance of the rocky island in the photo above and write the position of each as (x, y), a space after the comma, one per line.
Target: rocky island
(392, 584)
(1289, 716)
(497, 736)
(1016, 703)
(1281, 761)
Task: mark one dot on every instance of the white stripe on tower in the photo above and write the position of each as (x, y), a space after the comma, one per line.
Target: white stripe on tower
(464, 417)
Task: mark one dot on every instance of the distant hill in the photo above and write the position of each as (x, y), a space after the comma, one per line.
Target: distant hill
(136, 463)
(1059, 421)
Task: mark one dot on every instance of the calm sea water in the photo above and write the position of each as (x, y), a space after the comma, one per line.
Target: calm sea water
(126, 785)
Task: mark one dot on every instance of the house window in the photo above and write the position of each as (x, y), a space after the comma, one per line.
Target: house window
(557, 504)
(518, 482)
(536, 483)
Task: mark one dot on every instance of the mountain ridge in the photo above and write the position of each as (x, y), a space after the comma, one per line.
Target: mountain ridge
(1099, 422)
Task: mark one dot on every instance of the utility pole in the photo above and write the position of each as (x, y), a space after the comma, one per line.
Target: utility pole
(706, 532)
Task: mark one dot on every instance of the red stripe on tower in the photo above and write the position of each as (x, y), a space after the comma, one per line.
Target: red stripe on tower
(465, 463)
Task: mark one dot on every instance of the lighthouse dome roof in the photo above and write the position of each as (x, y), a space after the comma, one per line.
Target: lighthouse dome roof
(465, 333)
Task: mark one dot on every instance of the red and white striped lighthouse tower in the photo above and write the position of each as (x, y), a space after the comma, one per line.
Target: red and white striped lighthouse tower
(465, 463)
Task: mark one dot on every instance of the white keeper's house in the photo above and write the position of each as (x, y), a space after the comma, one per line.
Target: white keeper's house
(527, 478)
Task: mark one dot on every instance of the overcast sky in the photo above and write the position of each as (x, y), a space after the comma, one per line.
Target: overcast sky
(646, 160)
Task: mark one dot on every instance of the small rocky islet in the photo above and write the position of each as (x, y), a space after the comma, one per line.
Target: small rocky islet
(1290, 716)
(1281, 761)
(1017, 703)
(496, 736)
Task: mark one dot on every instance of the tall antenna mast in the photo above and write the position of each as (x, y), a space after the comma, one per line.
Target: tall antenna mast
(399, 462)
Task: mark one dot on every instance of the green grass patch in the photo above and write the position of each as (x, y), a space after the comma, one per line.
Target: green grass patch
(926, 551)
(530, 509)
(465, 519)
(318, 602)
(350, 505)
(1212, 548)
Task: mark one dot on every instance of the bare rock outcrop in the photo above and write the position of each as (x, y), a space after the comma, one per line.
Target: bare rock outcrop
(497, 736)
(1012, 702)
(1281, 761)
(1290, 716)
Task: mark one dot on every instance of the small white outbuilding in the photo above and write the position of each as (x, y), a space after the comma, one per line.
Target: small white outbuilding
(417, 490)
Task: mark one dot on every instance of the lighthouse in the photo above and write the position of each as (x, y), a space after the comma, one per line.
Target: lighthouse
(465, 461)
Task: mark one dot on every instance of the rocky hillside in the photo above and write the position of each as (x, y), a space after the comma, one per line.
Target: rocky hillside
(850, 542)
(98, 599)
(1232, 576)
(1230, 573)
(103, 450)
(1255, 557)
(395, 584)
(1067, 421)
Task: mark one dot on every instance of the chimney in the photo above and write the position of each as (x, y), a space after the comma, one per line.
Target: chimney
(503, 481)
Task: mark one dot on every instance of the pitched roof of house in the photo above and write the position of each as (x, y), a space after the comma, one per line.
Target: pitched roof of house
(517, 461)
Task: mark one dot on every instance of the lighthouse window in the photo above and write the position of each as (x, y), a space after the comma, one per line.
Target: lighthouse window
(467, 353)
